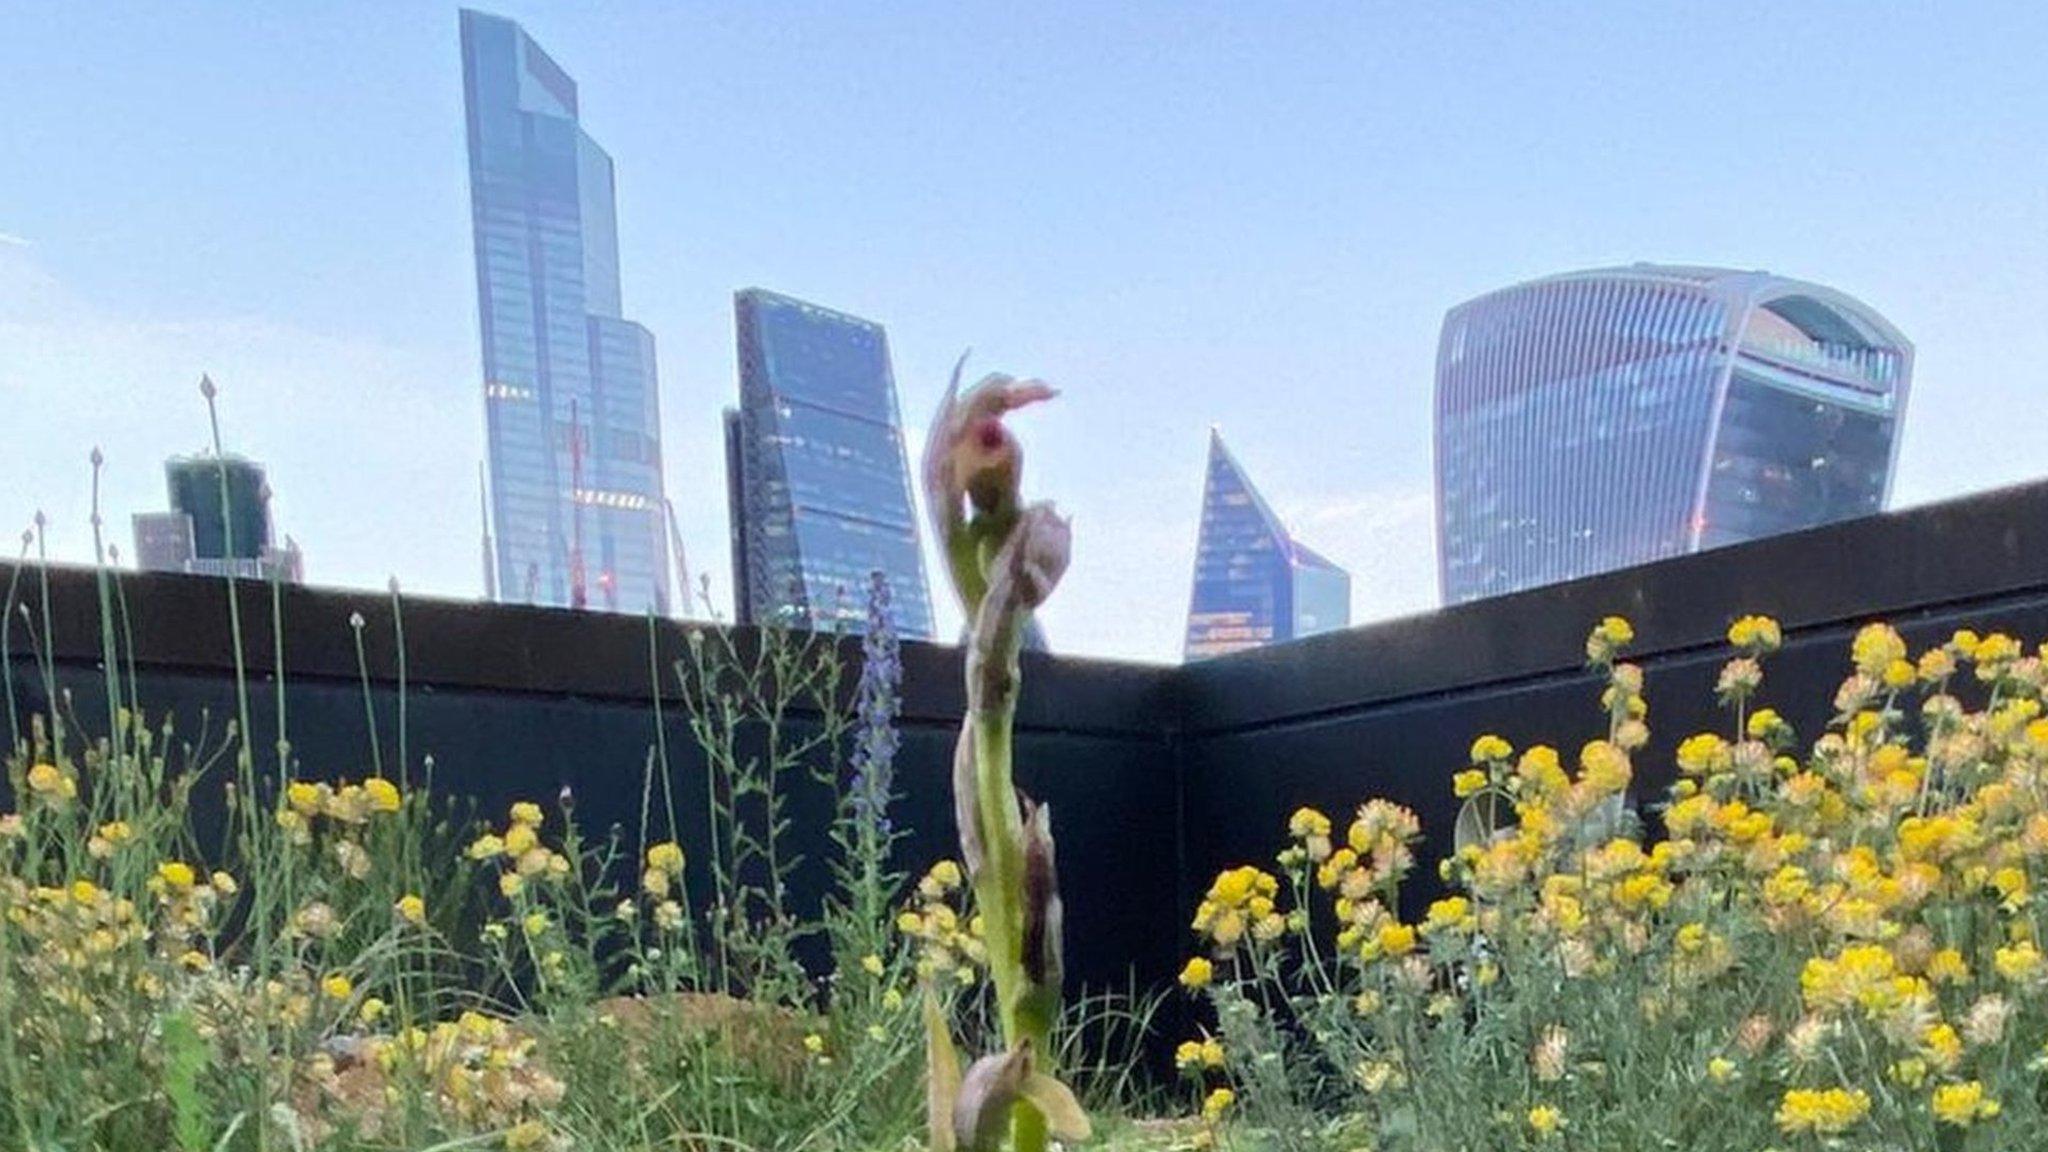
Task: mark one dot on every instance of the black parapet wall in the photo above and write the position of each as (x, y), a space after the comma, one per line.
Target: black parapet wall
(1158, 777)
(515, 703)
(1391, 709)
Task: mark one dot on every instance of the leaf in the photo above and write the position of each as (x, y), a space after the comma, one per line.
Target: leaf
(185, 1057)
(942, 1074)
(1055, 1101)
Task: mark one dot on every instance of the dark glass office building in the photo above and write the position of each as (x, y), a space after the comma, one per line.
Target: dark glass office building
(1254, 583)
(1601, 419)
(571, 397)
(817, 474)
(219, 523)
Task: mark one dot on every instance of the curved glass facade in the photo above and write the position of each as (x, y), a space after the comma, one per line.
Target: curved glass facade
(1254, 584)
(1601, 419)
(571, 395)
(819, 482)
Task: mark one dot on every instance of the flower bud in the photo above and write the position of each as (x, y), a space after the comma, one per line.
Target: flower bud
(1044, 915)
(992, 1087)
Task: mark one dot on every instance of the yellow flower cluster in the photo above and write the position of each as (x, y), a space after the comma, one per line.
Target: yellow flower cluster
(350, 805)
(1823, 1111)
(477, 1070)
(1892, 873)
(949, 943)
(1240, 901)
(523, 857)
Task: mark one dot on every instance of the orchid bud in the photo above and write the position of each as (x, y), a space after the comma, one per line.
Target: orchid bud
(1029, 567)
(992, 1087)
(1043, 914)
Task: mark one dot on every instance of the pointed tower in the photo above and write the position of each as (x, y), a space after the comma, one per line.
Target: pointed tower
(1254, 585)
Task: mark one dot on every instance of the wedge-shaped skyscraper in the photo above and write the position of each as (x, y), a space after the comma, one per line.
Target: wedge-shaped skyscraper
(817, 473)
(1254, 583)
(571, 401)
(1602, 419)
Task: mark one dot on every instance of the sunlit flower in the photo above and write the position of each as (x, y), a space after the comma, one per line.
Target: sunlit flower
(1197, 973)
(411, 909)
(1217, 1103)
(1825, 1111)
(383, 794)
(1962, 1104)
(1545, 1121)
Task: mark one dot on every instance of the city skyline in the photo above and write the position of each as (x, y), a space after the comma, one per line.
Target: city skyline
(1267, 235)
(1599, 419)
(571, 395)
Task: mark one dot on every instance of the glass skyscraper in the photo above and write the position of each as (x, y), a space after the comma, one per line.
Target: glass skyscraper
(1601, 419)
(1254, 583)
(571, 398)
(817, 474)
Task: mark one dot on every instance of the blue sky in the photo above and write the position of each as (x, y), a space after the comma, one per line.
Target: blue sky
(1183, 213)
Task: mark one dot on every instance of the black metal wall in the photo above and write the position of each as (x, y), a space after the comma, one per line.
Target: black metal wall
(1391, 709)
(1158, 776)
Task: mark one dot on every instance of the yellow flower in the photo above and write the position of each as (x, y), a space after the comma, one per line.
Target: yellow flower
(1197, 973)
(1947, 967)
(520, 838)
(666, 856)
(486, 847)
(527, 814)
(1217, 1103)
(1616, 630)
(1470, 782)
(1875, 647)
(176, 876)
(50, 784)
(1703, 755)
(1193, 1055)
(1490, 748)
(1824, 1111)
(411, 909)
(382, 793)
(337, 987)
(1307, 822)
(1451, 914)
(372, 1010)
(1962, 1104)
(814, 1044)
(1720, 1070)
(1395, 939)
(1756, 634)
(2021, 963)
(511, 884)
(871, 964)
(526, 1136)
(305, 798)
(1545, 1121)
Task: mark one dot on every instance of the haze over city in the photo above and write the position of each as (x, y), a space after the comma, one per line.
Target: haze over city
(1181, 216)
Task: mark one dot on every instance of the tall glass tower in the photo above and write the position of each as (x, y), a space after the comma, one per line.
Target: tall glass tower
(1254, 583)
(571, 398)
(1601, 419)
(817, 474)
